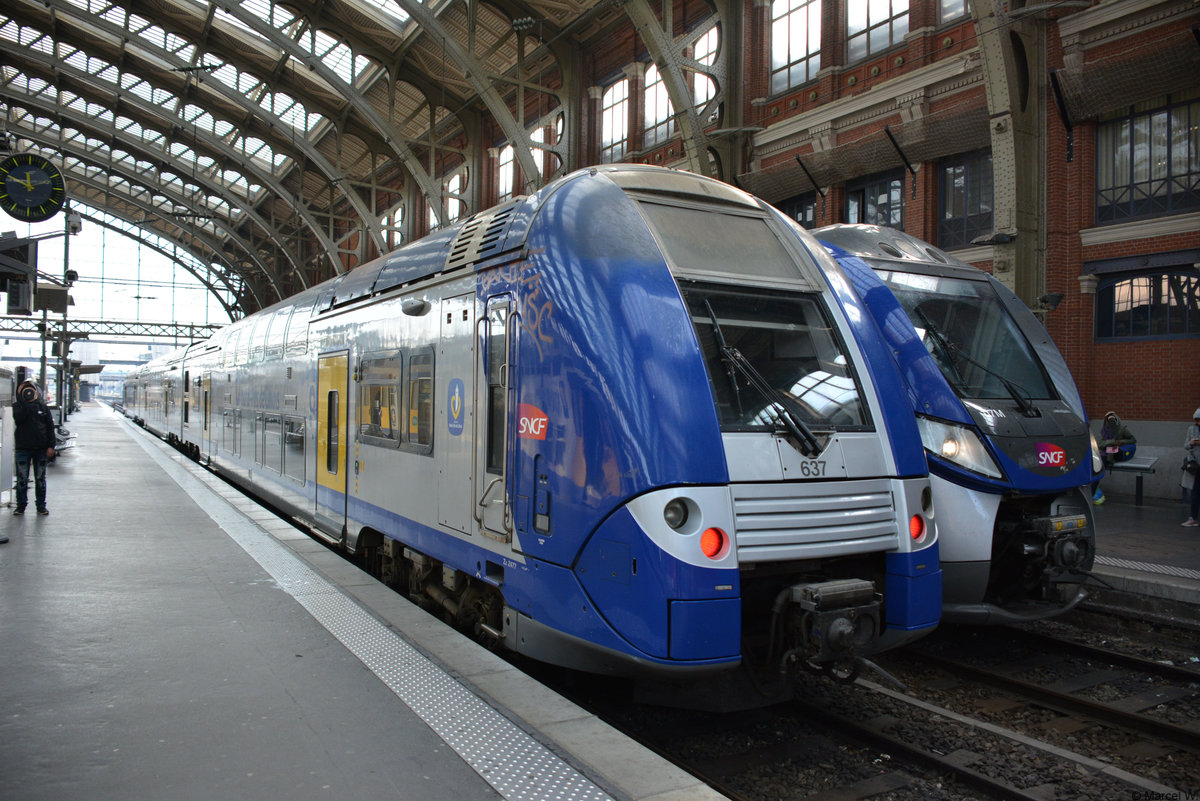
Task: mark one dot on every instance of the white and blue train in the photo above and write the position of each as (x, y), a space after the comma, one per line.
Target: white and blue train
(1011, 458)
(622, 425)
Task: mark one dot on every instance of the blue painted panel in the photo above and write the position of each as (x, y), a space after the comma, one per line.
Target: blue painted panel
(608, 354)
(913, 596)
(704, 629)
(633, 582)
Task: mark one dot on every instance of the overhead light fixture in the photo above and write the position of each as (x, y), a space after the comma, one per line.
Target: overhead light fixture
(1050, 300)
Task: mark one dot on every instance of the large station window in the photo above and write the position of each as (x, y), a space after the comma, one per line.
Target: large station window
(795, 43)
(877, 200)
(873, 26)
(1149, 305)
(1148, 162)
(965, 199)
(614, 122)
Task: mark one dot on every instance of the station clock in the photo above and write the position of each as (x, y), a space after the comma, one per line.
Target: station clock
(32, 188)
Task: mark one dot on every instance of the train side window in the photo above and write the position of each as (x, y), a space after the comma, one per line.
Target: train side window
(296, 340)
(273, 443)
(379, 400)
(293, 448)
(497, 381)
(420, 401)
(333, 402)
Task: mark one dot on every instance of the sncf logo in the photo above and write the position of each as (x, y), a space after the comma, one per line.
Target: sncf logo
(533, 422)
(1050, 455)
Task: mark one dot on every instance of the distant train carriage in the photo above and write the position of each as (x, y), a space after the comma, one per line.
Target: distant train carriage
(570, 425)
(1011, 457)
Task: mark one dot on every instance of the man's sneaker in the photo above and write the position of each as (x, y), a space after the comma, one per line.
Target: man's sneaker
(43, 511)
(3, 538)
(20, 510)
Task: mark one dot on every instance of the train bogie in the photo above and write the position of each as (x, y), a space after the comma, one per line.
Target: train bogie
(572, 427)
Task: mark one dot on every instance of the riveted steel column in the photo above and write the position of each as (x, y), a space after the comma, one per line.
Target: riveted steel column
(1013, 51)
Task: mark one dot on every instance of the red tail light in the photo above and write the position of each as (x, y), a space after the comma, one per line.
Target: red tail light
(916, 527)
(713, 543)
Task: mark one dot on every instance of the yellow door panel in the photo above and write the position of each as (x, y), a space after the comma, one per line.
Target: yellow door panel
(332, 400)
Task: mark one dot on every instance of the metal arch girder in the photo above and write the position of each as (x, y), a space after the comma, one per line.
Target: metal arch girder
(87, 124)
(223, 276)
(667, 53)
(311, 153)
(394, 138)
(118, 328)
(475, 71)
(213, 146)
(55, 141)
(152, 211)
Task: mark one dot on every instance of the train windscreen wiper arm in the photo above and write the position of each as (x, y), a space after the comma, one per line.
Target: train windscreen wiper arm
(805, 441)
(954, 350)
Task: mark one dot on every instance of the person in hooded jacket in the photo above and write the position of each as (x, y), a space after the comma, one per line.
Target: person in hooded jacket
(33, 444)
(1117, 444)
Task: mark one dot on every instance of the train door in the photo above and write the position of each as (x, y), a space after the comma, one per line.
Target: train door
(455, 433)
(492, 410)
(332, 409)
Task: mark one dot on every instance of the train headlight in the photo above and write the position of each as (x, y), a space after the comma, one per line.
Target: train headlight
(958, 445)
(675, 513)
(1097, 458)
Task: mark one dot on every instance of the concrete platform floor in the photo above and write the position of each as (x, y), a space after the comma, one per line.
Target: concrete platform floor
(161, 636)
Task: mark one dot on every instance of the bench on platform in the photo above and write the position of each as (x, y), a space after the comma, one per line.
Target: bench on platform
(1141, 465)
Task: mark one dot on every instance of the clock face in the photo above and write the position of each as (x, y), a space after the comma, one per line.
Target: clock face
(31, 187)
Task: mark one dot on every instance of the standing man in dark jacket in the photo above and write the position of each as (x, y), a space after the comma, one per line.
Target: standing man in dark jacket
(33, 442)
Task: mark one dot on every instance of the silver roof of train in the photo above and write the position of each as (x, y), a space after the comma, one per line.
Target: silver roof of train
(886, 244)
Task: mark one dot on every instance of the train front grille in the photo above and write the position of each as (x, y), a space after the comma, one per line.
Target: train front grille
(787, 521)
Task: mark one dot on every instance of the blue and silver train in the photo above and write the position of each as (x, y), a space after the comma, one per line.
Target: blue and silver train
(572, 426)
(1011, 458)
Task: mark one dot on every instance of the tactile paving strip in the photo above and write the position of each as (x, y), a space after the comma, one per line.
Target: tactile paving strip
(1147, 567)
(515, 764)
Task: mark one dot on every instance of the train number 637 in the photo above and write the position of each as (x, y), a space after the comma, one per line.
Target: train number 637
(813, 468)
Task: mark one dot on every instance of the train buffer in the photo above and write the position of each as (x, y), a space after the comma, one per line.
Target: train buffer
(1141, 465)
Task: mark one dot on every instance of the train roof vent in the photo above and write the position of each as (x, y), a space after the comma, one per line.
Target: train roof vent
(481, 235)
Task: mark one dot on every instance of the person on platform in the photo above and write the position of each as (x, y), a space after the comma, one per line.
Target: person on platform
(1191, 480)
(1117, 444)
(33, 444)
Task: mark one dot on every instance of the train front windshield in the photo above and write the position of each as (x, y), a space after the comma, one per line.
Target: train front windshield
(773, 360)
(971, 336)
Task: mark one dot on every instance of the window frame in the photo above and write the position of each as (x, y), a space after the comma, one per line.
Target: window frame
(398, 429)
(612, 147)
(781, 37)
(657, 112)
(864, 185)
(959, 231)
(1117, 140)
(872, 28)
(427, 405)
(1106, 310)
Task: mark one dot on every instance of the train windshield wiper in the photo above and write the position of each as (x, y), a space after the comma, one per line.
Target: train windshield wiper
(954, 350)
(804, 439)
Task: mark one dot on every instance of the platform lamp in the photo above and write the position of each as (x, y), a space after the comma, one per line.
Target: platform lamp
(73, 224)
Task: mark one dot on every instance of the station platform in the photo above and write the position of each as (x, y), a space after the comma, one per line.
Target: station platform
(162, 636)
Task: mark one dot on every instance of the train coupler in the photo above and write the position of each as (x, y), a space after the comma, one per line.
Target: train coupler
(829, 621)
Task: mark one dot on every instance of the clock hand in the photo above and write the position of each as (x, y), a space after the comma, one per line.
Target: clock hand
(28, 183)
